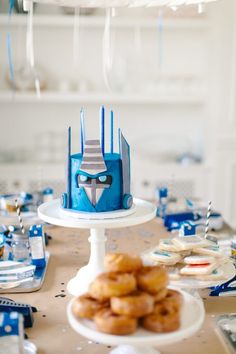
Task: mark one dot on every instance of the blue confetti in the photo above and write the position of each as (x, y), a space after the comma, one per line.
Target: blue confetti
(111, 247)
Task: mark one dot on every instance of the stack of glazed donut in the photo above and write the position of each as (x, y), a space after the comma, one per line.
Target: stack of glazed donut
(129, 294)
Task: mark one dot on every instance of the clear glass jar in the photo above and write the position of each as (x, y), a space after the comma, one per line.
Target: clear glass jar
(21, 248)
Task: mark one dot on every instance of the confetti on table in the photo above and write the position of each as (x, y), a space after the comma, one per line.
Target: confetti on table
(145, 233)
(111, 247)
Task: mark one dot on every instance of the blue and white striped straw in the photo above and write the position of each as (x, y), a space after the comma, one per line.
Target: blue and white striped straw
(19, 216)
(208, 218)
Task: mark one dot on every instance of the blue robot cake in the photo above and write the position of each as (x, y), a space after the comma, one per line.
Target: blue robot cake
(98, 181)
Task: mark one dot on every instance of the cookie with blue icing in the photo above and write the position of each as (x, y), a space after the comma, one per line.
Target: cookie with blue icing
(164, 257)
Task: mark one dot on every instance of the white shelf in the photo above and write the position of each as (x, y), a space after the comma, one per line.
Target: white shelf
(99, 21)
(97, 98)
(116, 3)
(166, 168)
(169, 167)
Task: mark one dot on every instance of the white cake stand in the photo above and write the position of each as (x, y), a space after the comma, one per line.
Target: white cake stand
(51, 213)
(141, 342)
(228, 270)
(191, 284)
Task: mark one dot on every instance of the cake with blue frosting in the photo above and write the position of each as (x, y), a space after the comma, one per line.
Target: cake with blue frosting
(98, 179)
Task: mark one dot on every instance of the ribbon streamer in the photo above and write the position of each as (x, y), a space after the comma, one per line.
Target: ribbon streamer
(9, 47)
(107, 60)
(30, 50)
(160, 38)
(76, 28)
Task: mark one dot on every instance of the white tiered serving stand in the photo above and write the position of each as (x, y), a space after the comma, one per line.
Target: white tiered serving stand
(228, 270)
(141, 342)
(52, 213)
(191, 284)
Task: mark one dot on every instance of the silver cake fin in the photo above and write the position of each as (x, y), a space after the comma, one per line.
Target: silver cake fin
(125, 158)
(93, 161)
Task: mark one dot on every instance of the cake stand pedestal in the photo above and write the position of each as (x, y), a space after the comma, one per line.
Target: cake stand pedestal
(52, 213)
(142, 341)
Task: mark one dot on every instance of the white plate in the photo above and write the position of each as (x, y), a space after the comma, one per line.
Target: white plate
(190, 282)
(192, 317)
(13, 284)
(228, 270)
(29, 347)
(121, 213)
(51, 213)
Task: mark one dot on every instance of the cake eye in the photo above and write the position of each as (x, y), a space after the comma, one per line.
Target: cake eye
(83, 178)
(102, 179)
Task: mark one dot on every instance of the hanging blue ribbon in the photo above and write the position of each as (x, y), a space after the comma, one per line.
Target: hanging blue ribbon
(9, 46)
(11, 7)
(9, 55)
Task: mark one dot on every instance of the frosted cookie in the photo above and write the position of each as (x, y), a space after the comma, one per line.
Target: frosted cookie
(212, 250)
(217, 274)
(166, 244)
(199, 259)
(184, 253)
(198, 269)
(190, 242)
(165, 257)
(174, 273)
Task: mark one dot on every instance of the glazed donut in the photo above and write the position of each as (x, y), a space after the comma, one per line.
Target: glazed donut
(152, 279)
(111, 284)
(122, 262)
(174, 298)
(160, 295)
(85, 306)
(2, 251)
(165, 318)
(137, 304)
(108, 322)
